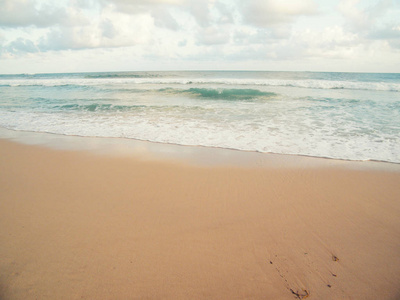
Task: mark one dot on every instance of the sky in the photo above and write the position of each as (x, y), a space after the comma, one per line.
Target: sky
(39, 36)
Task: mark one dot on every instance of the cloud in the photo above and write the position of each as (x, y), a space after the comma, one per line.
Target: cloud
(159, 9)
(388, 33)
(362, 19)
(84, 25)
(374, 22)
(200, 10)
(197, 31)
(107, 29)
(225, 13)
(22, 13)
(269, 12)
(249, 36)
(140, 6)
(213, 36)
(22, 45)
(203, 12)
(68, 38)
(395, 44)
(330, 42)
(163, 19)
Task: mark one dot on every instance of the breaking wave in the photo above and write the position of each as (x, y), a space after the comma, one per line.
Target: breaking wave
(155, 80)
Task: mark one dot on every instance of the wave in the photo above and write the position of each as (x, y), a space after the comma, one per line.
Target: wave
(111, 80)
(221, 94)
(98, 107)
(310, 84)
(45, 83)
(122, 75)
(199, 93)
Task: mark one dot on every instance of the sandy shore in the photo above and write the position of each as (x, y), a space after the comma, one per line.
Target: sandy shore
(74, 225)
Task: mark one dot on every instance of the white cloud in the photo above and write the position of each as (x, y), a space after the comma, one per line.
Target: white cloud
(22, 45)
(200, 10)
(195, 32)
(250, 36)
(361, 18)
(101, 33)
(163, 19)
(377, 21)
(331, 42)
(107, 29)
(355, 17)
(225, 13)
(20, 13)
(269, 12)
(213, 36)
(204, 12)
(160, 10)
(139, 6)
(389, 33)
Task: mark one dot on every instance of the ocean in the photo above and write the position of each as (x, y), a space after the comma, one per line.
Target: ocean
(351, 116)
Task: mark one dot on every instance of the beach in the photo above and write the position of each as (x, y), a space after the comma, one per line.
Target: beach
(199, 150)
(78, 224)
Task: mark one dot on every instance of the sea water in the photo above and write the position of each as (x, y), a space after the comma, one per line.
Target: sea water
(354, 116)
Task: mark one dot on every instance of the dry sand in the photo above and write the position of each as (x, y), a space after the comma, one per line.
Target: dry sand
(74, 225)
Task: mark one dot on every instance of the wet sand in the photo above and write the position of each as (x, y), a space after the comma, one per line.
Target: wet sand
(79, 225)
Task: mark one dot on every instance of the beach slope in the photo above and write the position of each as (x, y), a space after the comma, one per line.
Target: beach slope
(77, 225)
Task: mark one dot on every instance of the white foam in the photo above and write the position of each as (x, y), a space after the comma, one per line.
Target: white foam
(278, 133)
(309, 84)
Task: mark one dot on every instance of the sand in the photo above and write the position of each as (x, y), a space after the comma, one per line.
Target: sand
(78, 225)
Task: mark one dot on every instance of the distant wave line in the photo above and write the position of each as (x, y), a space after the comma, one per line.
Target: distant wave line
(308, 84)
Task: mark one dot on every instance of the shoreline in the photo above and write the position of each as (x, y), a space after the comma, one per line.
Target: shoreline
(77, 223)
(189, 154)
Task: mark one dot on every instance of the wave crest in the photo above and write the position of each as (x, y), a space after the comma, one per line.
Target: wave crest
(155, 80)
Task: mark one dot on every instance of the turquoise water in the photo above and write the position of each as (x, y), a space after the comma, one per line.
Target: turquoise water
(353, 116)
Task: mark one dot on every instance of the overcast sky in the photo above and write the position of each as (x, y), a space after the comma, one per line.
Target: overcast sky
(129, 35)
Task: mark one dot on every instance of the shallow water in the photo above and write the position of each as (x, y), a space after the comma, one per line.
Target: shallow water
(338, 115)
